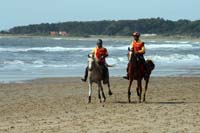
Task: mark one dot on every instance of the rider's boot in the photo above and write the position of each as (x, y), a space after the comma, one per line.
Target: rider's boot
(126, 77)
(85, 76)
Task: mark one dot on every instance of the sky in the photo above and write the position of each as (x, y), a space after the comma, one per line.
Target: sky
(25, 12)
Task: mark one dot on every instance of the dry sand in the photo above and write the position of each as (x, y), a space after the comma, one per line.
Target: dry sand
(60, 105)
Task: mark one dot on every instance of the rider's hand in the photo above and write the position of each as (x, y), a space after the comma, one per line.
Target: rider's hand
(102, 57)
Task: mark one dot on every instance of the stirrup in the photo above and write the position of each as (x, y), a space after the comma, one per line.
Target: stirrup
(83, 80)
(126, 77)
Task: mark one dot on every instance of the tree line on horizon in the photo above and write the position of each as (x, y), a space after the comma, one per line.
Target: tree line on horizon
(113, 28)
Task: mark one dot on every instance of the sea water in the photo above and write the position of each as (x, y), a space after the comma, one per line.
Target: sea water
(38, 57)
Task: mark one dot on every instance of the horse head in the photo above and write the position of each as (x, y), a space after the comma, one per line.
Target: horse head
(132, 57)
(91, 62)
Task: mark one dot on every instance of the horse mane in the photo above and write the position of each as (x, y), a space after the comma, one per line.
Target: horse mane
(97, 67)
(134, 67)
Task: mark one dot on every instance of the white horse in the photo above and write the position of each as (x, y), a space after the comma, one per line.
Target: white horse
(95, 75)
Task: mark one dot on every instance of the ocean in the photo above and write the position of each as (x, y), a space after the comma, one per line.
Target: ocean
(38, 57)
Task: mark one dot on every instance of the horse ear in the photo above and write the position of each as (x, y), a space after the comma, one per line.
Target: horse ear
(90, 55)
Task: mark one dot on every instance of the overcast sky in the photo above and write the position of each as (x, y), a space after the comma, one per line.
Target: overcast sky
(24, 12)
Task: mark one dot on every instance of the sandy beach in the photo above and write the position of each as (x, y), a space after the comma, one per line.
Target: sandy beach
(60, 105)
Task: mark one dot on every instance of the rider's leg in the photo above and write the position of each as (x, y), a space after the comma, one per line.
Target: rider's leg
(105, 74)
(129, 58)
(85, 76)
(127, 76)
(145, 66)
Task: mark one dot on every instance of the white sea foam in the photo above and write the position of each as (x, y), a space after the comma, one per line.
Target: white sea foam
(14, 62)
(57, 38)
(196, 42)
(152, 41)
(117, 60)
(178, 42)
(175, 58)
(123, 47)
(38, 62)
(149, 35)
(35, 60)
(169, 41)
(45, 49)
(118, 48)
(173, 46)
(184, 42)
(50, 66)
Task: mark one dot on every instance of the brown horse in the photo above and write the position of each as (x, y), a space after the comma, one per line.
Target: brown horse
(96, 75)
(136, 72)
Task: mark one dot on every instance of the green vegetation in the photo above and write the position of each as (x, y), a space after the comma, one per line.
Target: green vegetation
(114, 28)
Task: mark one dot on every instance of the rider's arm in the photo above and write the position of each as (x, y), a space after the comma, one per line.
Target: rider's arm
(106, 53)
(142, 51)
(93, 51)
(131, 46)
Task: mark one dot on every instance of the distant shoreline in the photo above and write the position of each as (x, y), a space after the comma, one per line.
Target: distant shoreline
(105, 37)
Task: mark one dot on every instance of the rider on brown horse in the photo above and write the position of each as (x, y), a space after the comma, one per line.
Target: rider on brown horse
(100, 53)
(137, 46)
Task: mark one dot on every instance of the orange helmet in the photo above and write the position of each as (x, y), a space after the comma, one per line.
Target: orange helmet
(136, 34)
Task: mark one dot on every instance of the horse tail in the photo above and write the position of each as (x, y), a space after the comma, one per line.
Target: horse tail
(151, 64)
(107, 65)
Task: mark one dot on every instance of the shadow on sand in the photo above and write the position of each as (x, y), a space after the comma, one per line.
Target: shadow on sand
(164, 103)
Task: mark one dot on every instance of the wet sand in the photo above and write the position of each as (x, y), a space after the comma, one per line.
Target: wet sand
(60, 105)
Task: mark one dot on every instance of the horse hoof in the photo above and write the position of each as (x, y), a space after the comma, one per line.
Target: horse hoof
(89, 99)
(110, 93)
(104, 100)
(144, 100)
(138, 94)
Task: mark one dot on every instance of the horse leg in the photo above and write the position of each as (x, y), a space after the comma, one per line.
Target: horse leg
(104, 97)
(139, 85)
(109, 90)
(90, 92)
(137, 90)
(146, 86)
(129, 90)
(99, 94)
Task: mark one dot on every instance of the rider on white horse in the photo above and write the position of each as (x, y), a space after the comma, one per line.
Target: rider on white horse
(100, 53)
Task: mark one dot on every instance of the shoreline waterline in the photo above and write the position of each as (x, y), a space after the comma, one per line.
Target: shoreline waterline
(62, 78)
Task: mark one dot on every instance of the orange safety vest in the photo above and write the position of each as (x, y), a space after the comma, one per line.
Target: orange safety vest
(98, 52)
(137, 46)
